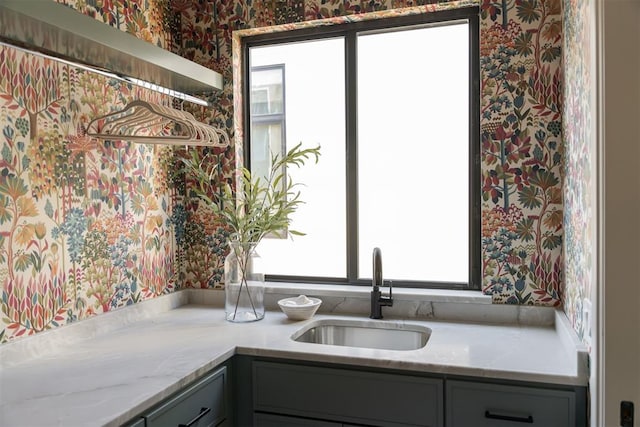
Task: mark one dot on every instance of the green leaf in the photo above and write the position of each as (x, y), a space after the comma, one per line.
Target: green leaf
(522, 44)
(527, 11)
(551, 241)
(137, 204)
(528, 196)
(277, 180)
(259, 205)
(23, 261)
(537, 153)
(551, 53)
(543, 179)
(36, 260)
(524, 229)
(13, 187)
(5, 214)
(48, 208)
(6, 153)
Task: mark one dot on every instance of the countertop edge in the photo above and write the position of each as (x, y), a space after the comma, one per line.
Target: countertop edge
(436, 369)
(149, 313)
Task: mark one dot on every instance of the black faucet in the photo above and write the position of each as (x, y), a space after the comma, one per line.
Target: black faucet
(377, 300)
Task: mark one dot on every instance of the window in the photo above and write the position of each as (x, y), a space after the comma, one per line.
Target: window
(394, 104)
(267, 117)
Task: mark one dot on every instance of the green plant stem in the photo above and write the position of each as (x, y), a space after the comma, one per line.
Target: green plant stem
(243, 270)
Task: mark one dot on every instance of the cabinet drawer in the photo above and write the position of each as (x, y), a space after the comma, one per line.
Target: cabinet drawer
(186, 407)
(270, 420)
(371, 398)
(472, 404)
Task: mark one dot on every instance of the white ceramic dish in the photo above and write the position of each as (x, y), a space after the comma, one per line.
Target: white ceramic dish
(300, 307)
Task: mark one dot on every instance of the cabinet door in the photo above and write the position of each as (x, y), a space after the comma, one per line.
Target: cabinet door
(472, 404)
(135, 423)
(270, 420)
(350, 396)
(202, 404)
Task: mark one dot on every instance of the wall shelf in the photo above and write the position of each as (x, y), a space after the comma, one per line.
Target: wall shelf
(57, 30)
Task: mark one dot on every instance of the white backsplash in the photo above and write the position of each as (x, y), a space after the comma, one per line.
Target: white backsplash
(433, 304)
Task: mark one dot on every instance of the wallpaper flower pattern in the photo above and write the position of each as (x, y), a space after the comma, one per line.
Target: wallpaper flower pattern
(522, 151)
(86, 226)
(521, 123)
(581, 152)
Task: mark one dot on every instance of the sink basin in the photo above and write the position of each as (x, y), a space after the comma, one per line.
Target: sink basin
(364, 333)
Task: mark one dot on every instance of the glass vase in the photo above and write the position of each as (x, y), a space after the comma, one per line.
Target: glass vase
(244, 283)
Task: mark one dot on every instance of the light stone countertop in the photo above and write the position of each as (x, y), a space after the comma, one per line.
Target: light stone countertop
(106, 371)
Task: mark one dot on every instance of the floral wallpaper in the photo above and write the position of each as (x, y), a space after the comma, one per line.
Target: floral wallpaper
(521, 123)
(89, 226)
(86, 226)
(150, 20)
(522, 150)
(580, 184)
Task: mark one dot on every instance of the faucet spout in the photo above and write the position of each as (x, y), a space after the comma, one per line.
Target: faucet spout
(377, 267)
(377, 300)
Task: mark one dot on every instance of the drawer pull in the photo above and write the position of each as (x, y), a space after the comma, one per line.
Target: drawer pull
(203, 412)
(528, 420)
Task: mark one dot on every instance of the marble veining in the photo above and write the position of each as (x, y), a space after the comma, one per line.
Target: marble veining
(437, 304)
(181, 336)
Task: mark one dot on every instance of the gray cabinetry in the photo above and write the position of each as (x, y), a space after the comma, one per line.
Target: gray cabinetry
(204, 403)
(345, 396)
(139, 422)
(269, 392)
(471, 404)
(271, 420)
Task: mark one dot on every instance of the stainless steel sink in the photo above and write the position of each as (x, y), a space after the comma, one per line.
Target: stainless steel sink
(364, 333)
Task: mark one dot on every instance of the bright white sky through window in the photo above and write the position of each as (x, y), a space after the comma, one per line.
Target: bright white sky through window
(314, 103)
(413, 143)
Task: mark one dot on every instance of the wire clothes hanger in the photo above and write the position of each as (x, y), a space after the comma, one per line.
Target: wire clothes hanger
(150, 123)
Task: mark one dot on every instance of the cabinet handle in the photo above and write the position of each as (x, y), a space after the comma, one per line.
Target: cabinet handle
(528, 420)
(203, 412)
